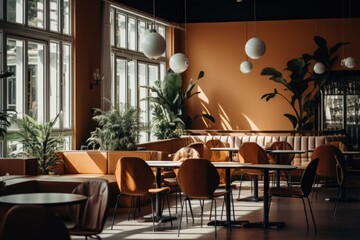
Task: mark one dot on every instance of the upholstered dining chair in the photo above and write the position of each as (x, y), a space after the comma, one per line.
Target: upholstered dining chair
(32, 222)
(198, 179)
(136, 179)
(306, 184)
(89, 218)
(251, 152)
(181, 155)
(285, 159)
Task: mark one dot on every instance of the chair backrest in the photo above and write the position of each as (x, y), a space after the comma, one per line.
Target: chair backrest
(91, 215)
(198, 178)
(202, 149)
(134, 176)
(185, 153)
(217, 156)
(251, 152)
(32, 222)
(307, 178)
(327, 163)
(285, 159)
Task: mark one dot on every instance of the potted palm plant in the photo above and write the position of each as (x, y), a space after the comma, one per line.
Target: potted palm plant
(118, 128)
(168, 105)
(38, 141)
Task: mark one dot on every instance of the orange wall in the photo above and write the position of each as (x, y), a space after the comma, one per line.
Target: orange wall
(233, 98)
(87, 40)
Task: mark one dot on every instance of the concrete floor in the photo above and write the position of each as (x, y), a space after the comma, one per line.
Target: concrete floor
(346, 224)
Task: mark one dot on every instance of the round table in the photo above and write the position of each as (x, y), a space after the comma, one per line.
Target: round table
(46, 199)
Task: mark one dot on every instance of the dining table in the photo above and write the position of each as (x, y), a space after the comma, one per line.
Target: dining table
(231, 150)
(265, 223)
(45, 199)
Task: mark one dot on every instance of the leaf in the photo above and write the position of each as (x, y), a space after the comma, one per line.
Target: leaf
(292, 119)
(207, 116)
(269, 71)
(320, 42)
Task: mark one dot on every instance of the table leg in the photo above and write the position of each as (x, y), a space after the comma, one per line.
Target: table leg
(277, 161)
(255, 197)
(228, 221)
(265, 223)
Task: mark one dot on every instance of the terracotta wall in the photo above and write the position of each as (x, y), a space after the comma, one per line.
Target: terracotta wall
(86, 50)
(233, 98)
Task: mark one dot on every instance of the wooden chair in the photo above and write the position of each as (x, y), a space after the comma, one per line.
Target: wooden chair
(89, 218)
(32, 222)
(251, 152)
(198, 179)
(136, 179)
(285, 159)
(303, 192)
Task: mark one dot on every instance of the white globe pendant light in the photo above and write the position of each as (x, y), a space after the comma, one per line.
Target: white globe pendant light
(178, 62)
(246, 67)
(153, 45)
(319, 68)
(255, 48)
(348, 62)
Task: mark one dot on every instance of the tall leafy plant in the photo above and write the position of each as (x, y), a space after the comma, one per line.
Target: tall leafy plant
(168, 104)
(118, 128)
(38, 141)
(304, 84)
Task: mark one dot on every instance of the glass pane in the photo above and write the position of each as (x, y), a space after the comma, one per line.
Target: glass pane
(66, 87)
(54, 88)
(132, 32)
(54, 15)
(352, 109)
(120, 30)
(120, 82)
(36, 96)
(1, 17)
(36, 13)
(15, 83)
(333, 112)
(112, 29)
(15, 11)
(141, 30)
(143, 105)
(132, 86)
(67, 17)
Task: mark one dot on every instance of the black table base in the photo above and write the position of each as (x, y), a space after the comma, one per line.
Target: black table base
(251, 199)
(271, 225)
(225, 224)
(157, 219)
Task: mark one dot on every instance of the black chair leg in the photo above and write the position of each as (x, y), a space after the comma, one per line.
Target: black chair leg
(113, 218)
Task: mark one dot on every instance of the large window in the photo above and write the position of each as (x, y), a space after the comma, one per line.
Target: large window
(130, 68)
(41, 63)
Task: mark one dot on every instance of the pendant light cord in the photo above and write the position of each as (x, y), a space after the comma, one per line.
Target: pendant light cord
(254, 18)
(154, 14)
(185, 22)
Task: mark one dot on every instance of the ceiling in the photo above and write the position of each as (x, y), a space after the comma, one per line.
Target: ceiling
(231, 10)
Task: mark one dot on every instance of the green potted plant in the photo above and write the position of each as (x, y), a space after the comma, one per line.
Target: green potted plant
(118, 128)
(304, 84)
(38, 141)
(168, 105)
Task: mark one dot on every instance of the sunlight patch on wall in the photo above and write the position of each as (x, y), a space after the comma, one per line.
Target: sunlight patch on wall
(202, 96)
(250, 122)
(225, 122)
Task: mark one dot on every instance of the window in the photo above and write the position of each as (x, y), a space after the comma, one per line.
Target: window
(130, 68)
(41, 63)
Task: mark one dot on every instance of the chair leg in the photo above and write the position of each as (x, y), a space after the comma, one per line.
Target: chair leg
(202, 211)
(306, 217)
(241, 179)
(181, 213)
(215, 218)
(168, 203)
(152, 212)
(337, 201)
(312, 215)
(113, 218)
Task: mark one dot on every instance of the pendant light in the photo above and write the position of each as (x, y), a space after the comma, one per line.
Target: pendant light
(153, 44)
(319, 67)
(255, 47)
(179, 62)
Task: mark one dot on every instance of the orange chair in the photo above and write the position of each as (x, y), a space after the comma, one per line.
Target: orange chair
(181, 155)
(285, 159)
(136, 179)
(251, 152)
(304, 191)
(32, 222)
(198, 179)
(202, 149)
(89, 218)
